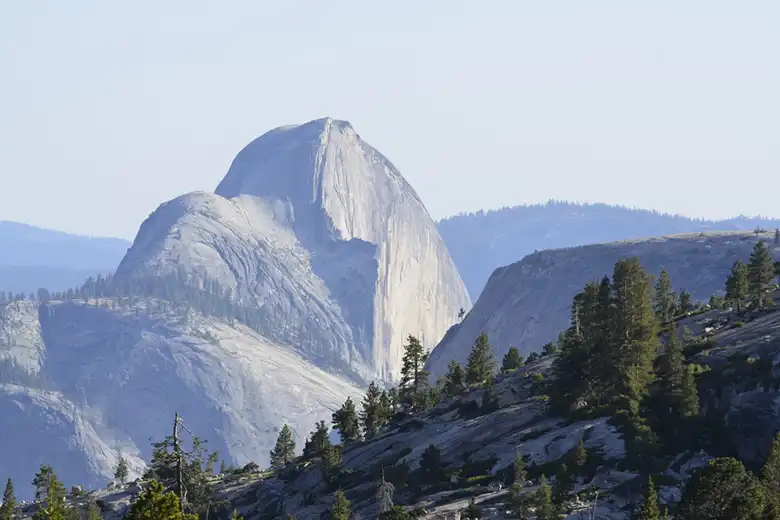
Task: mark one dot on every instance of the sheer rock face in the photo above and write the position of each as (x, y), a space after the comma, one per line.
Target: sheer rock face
(321, 231)
(115, 375)
(528, 303)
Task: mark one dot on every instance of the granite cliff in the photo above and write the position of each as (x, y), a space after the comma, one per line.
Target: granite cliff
(312, 230)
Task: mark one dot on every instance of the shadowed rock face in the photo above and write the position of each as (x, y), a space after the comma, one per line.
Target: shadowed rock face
(528, 303)
(321, 231)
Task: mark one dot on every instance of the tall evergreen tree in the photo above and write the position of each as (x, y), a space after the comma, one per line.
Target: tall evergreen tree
(545, 510)
(54, 506)
(689, 398)
(345, 420)
(431, 466)
(512, 360)
(648, 510)
(414, 378)
(761, 272)
(284, 450)
(721, 490)
(664, 298)
(42, 480)
(92, 512)
(685, 304)
(481, 363)
(453, 383)
(372, 415)
(9, 501)
(121, 470)
(341, 507)
(564, 483)
(737, 286)
(770, 472)
(580, 457)
(317, 441)
(634, 329)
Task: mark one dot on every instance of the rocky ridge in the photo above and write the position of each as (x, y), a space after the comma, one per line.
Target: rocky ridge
(528, 303)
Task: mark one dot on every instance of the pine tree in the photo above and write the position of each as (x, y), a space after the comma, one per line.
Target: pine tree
(453, 379)
(633, 329)
(490, 401)
(664, 298)
(777, 237)
(723, 489)
(316, 443)
(737, 286)
(93, 512)
(564, 483)
(121, 470)
(580, 457)
(371, 417)
(770, 472)
(545, 510)
(341, 510)
(414, 377)
(345, 420)
(689, 399)
(512, 360)
(284, 450)
(156, 504)
(431, 466)
(42, 480)
(761, 272)
(519, 475)
(9, 501)
(686, 302)
(481, 362)
(54, 506)
(648, 510)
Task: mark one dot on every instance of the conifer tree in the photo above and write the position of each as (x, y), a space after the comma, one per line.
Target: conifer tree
(777, 237)
(345, 420)
(737, 286)
(371, 416)
(9, 501)
(545, 510)
(490, 401)
(761, 272)
(512, 360)
(316, 443)
(385, 407)
(689, 399)
(564, 483)
(453, 379)
(686, 302)
(284, 450)
(157, 504)
(93, 512)
(519, 475)
(648, 510)
(431, 466)
(770, 472)
(664, 298)
(121, 470)
(670, 376)
(634, 329)
(42, 480)
(580, 457)
(481, 362)
(414, 378)
(723, 489)
(341, 509)
(54, 506)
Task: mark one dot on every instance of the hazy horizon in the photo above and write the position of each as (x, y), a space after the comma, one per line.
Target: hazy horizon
(111, 109)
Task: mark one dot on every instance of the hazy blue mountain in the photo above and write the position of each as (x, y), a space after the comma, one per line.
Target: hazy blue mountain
(32, 257)
(483, 241)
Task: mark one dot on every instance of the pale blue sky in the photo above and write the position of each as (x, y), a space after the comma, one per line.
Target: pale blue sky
(109, 108)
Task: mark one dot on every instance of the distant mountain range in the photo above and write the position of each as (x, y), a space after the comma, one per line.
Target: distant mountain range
(482, 241)
(32, 257)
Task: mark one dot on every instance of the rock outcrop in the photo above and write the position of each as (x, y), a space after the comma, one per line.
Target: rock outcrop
(319, 230)
(314, 231)
(114, 375)
(527, 304)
